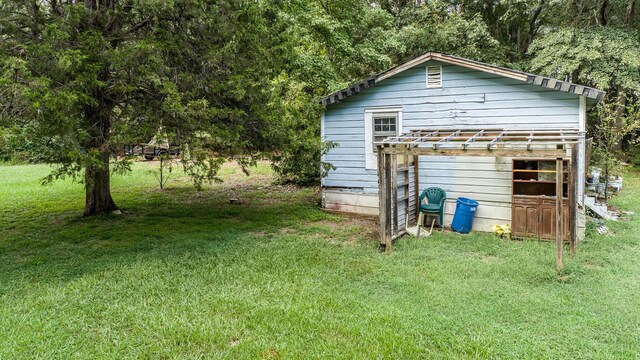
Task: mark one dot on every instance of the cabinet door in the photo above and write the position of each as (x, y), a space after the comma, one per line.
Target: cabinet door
(519, 220)
(532, 221)
(524, 220)
(547, 222)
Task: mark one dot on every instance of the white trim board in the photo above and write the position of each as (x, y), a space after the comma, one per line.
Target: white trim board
(582, 123)
(369, 156)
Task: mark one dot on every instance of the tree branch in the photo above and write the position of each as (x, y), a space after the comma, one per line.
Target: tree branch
(533, 25)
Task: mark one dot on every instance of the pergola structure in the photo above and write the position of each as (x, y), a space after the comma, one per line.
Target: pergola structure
(559, 144)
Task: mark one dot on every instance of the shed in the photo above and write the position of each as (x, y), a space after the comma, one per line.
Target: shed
(455, 96)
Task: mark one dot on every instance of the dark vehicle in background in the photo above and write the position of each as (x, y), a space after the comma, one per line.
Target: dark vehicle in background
(157, 147)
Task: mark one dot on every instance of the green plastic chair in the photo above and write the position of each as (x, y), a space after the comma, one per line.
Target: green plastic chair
(434, 204)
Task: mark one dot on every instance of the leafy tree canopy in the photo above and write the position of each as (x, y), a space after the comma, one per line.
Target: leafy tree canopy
(89, 76)
(242, 79)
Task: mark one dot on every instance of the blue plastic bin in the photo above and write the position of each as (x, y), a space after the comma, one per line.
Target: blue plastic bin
(465, 212)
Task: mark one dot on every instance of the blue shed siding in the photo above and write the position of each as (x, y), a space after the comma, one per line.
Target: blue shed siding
(467, 99)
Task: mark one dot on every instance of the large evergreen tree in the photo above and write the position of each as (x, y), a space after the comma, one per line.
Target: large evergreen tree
(88, 76)
(243, 78)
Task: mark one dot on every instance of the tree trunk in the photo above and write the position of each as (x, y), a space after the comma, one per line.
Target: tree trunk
(620, 113)
(601, 17)
(97, 188)
(533, 26)
(630, 16)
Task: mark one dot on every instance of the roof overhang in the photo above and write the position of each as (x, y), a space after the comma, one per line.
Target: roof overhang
(547, 82)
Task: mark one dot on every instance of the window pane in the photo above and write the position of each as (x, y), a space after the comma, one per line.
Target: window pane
(384, 127)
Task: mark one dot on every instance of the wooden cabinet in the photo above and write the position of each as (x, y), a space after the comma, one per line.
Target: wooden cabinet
(533, 208)
(535, 217)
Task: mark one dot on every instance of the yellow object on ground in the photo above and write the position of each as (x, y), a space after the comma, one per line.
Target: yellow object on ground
(502, 230)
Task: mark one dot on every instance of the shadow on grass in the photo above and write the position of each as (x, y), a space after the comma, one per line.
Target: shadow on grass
(61, 246)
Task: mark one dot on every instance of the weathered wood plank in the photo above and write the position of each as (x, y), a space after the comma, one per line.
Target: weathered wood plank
(416, 184)
(407, 194)
(559, 225)
(382, 199)
(387, 208)
(478, 152)
(394, 193)
(573, 200)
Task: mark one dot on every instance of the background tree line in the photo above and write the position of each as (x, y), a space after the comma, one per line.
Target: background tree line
(242, 79)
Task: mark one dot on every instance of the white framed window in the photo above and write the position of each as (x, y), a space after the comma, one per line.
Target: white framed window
(434, 76)
(384, 125)
(379, 124)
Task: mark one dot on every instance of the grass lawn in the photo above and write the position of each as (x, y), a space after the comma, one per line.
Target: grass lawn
(182, 274)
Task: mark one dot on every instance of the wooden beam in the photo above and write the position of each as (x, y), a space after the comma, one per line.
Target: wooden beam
(573, 200)
(416, 184)
(394, 194)
(407, 192)
(489, 139)
(387, 208)
(514, 74)
(382, 205)
(422, 138)
(559, 224)
(418, 151)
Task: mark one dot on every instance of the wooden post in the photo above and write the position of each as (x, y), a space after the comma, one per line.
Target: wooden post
(573, 200)
(394, 195)
(387, 207)
(407, 192)
(416, 185)
(559, 225)
(382, 204)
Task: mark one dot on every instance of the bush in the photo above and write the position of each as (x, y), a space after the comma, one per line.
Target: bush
(17, 146)
(301, 164)
(634, 155)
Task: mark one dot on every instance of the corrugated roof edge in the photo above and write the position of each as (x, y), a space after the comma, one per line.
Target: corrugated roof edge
(550, 83)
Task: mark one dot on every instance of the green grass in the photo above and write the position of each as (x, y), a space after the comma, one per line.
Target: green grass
(182, 274)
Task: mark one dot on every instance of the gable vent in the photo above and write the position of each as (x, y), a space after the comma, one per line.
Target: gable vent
(434, 76)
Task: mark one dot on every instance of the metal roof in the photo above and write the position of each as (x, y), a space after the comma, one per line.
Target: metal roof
(533, 79)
